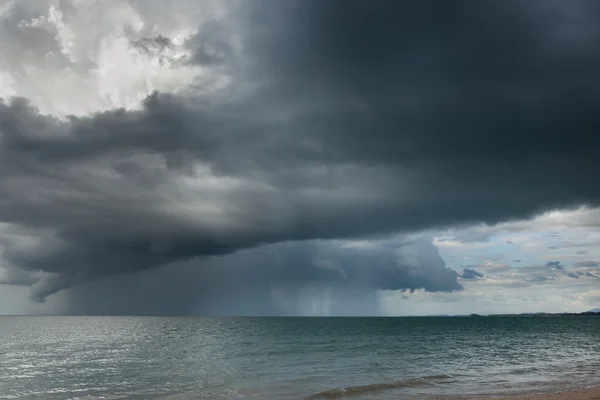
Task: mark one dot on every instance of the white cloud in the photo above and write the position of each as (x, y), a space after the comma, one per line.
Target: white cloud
(77, 57)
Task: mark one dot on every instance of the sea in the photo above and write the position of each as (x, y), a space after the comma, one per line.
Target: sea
(105, 357)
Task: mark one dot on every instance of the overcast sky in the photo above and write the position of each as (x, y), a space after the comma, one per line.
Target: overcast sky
(299, 157)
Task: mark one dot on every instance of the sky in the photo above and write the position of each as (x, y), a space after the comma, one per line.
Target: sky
(299, 157)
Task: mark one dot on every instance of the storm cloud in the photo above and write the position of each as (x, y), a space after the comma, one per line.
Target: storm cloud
(307, 278)
(313, 120)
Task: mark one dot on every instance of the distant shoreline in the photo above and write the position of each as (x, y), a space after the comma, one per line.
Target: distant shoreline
(540, 314)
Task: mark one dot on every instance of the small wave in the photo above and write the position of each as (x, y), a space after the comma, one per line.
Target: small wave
(377, 387)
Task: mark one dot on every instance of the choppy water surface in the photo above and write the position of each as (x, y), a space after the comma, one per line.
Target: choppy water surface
(293, 358)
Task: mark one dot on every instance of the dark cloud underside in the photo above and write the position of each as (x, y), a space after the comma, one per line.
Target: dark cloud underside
(343, 119)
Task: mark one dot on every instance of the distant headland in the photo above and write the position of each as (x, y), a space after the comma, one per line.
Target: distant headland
(592, 313)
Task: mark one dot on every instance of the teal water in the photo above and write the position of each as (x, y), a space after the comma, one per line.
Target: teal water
(294, 358)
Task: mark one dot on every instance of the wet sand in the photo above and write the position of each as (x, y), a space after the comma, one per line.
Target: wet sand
(581, 394)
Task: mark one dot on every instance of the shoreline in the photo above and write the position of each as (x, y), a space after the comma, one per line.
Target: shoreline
(575, 394)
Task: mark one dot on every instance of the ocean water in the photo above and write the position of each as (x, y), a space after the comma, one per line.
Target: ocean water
(294, 358)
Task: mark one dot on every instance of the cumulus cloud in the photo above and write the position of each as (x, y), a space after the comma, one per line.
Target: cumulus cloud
(551, 273)
(269, 123)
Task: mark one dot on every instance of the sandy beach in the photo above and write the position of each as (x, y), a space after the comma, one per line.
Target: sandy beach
(580, 394)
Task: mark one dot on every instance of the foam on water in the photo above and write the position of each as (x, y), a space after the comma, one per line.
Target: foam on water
(378, 387)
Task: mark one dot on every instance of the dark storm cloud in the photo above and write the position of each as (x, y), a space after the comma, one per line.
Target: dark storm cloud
(470, 273)
(274, 280)
(210, 45)
(344, 119)
(17, 277)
